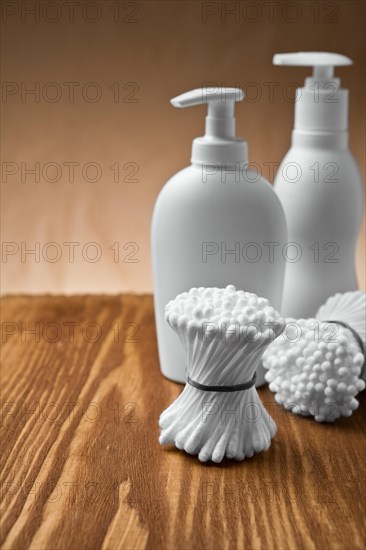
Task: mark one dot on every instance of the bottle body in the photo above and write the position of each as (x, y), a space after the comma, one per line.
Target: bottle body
(320, 188)
(209, 229)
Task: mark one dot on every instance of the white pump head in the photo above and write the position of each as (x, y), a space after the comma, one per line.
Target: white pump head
(323, 63)
(321, 105)
(219, 145)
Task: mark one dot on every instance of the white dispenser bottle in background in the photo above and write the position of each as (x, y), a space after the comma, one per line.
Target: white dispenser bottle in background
(213, 223)
(320, 188)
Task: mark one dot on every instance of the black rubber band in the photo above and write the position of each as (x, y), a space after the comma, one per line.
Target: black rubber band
(354, 332)
(357, 338)
(236, 387)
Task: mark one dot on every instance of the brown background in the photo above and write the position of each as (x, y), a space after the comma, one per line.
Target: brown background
(165, 48)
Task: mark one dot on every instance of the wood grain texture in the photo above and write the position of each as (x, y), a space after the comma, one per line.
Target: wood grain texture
(81, 464)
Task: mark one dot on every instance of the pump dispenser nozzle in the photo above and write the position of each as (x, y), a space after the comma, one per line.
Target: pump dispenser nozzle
(321, 105)
(219, 145)
(323, 63)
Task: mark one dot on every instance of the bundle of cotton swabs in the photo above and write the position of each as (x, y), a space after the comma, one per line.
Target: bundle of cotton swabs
(317, 367)
(224, 333)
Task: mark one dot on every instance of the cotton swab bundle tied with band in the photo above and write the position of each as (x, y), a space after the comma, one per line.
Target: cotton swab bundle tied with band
(317, 367)
(224, 333)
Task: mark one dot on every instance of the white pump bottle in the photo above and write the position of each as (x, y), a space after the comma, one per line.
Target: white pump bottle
(320, 188)
(212, 223)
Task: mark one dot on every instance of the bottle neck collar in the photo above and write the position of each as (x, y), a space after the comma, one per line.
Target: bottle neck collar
(322, 140)
(219, 152)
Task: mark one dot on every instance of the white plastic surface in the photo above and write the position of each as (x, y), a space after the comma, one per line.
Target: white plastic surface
(323, 62)
(320, 188)
(321, 105)
(323, 209)
(224, 334)
(219, 144)
(208, 95)
(202, 227)
(212, 225)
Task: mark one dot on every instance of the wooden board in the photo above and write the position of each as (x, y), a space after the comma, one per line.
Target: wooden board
(82, 467)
